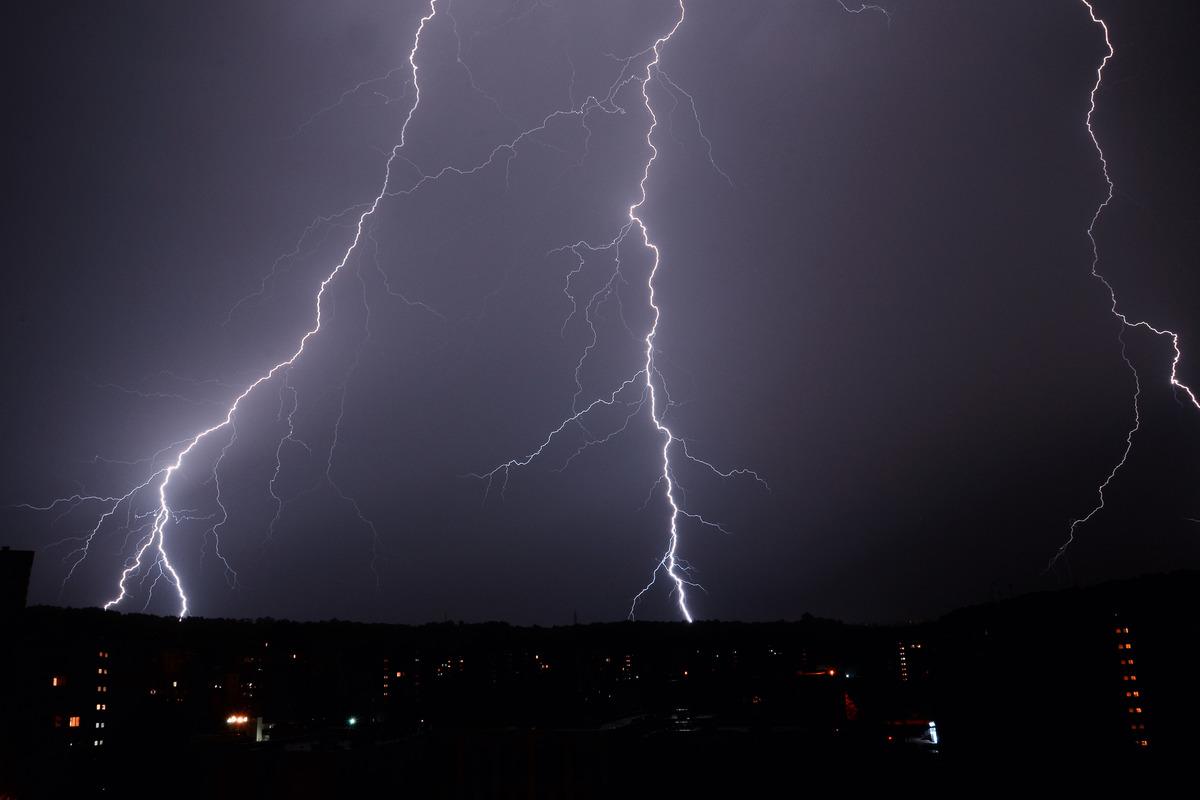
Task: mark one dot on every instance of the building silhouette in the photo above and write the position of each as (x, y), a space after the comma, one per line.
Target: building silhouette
(15, 568)
(94, 700)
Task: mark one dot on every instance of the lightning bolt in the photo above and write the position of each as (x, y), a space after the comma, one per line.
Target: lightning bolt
(864, 7)
(1126, 322)
(669, 562)
(647, 386)
(646, 389)
(151, 553)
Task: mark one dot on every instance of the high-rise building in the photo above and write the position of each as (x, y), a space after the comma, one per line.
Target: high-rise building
(15, 567)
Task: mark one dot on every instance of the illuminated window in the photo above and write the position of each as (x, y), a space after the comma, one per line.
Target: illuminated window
(56, 681)
(73, 722)
(1136, 693)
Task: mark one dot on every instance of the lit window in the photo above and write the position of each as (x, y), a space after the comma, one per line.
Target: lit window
(73, 722)
(1136, 693)
(56, 681)
(1137, 710)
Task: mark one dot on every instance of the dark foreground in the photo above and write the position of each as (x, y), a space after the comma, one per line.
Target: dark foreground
(97, 703)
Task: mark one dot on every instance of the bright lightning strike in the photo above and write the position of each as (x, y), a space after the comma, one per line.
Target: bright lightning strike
(650, 387)
(645, 389)
(151, 553)
(1126, 322)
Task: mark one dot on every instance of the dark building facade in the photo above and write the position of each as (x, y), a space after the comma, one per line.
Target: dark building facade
(92, 699)
(15, 568)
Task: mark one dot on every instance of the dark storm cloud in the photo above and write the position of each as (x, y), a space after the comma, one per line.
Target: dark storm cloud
(889, 315)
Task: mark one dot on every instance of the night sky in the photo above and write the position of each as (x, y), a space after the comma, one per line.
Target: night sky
(889, 314)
